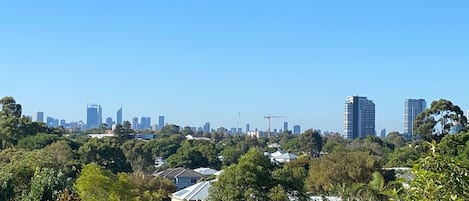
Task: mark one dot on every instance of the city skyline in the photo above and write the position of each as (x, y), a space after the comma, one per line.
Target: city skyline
(197, 62)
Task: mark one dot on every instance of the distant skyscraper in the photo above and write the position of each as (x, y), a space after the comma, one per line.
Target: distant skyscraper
(109, 122)
(359, 118)
(412, 108)
(135, 125)
(39, 117)
(93, 116)
(248, 128)
(297, 129)
(383, 133)
(62, 123)
(207, 127)
(119, 116)
(145, 123)
(160, 122)
(50, 121)
(285, 127)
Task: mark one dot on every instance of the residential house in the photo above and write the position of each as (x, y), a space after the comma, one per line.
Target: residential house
(181, 177)
(197, 192)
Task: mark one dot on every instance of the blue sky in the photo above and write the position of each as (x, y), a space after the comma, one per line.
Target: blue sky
(198, 61)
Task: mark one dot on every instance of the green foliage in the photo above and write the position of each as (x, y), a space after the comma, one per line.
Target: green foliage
(255, 178)
(46, 184)
(231, 154)
(194, 154)
(170, 129)
(105, 152)
(10, 116)
(436, 122)
(397, 139)
(403, 157)
(162, 147)
(151, 188)
(310, 142)
(6, 186)
(137, 155)
(37, 141)
(94, 183)
(438, 178)
(340, 168)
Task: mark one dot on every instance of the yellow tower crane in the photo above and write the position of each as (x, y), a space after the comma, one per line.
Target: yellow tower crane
(268, 117)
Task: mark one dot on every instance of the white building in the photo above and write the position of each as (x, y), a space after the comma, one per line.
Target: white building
(359, 118)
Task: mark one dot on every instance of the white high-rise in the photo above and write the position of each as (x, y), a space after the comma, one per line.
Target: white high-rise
(412, 108)
(359, 118)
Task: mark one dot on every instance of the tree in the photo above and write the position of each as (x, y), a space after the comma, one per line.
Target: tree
(437, 121)
(9, 122)
(162, 147)
(340, 168)
(311, 142)
(250, 178)
(438, 178)
(94, 183)
(136, 154)
(37, 141)
(105, 152)
(47, 184)
(6, 186)
(397, 139)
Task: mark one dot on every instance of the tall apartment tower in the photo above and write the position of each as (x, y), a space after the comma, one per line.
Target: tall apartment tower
(94, 117)
(285, 127)
(412, 108)
(359, 118)
(119, 116)
(160, 122)
(39, 117)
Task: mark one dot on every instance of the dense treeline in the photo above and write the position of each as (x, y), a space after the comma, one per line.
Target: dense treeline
(41, 163)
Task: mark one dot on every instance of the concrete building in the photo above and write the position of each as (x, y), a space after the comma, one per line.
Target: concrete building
(39, 117)
(297, 129)
(285, 126)
(119, 116)
(412, 108)
(93, 116)
(160, 122)
(359, 118)
(109, 123)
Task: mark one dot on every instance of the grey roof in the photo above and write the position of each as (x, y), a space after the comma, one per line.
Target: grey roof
(197, 191)
(172, 173)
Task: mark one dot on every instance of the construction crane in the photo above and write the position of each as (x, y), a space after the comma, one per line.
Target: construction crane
(268, 117)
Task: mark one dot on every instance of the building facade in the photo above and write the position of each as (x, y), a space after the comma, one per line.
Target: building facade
(359, 118)
(119, 116)
(39, 117)
(93, 116)
(160, 122)
(297, 129)
(412, 108)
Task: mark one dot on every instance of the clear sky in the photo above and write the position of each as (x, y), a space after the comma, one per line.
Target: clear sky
(197, 60)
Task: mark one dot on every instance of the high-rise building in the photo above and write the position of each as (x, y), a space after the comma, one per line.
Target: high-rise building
(297, 129)
(285, 127)
(248, 128)
(207, 127)
(109, 123)
(94, 117)
(135, 125)
(39, 117)
(63, 123)
(383, 133)
(145, 123)
(359, 118)
(412, 108)
(119, 116)
(50, 121)
(160, 122)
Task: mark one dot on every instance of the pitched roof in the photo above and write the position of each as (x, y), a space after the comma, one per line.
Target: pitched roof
(172, 173)
(206, 171)
(197, 191)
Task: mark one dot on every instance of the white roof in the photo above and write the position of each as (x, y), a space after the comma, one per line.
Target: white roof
(286, 156)
(277, 153)
(206, 171)
(197, 191)
(99, 136)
